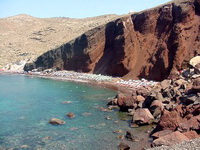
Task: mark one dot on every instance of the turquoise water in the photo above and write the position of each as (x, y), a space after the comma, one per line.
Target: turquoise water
(27, 103)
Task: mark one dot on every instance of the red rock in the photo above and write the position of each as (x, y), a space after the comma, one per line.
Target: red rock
(157, 104)
(169, 121)
(151, 44)
(191, 135)
(142, 116)
(181, 110)
(193, 123)
(161, 133)
(125, 102)
(140, 98)
(170, 139)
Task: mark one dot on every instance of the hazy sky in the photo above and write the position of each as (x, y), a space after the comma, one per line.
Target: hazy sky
(73, 8)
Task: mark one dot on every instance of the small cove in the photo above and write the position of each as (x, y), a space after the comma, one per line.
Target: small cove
(27, 104)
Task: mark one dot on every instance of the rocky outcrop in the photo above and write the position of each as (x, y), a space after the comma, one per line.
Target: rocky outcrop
(173, 105)
(152, 44)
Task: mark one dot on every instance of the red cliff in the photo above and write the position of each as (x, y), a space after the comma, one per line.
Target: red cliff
(151, 44)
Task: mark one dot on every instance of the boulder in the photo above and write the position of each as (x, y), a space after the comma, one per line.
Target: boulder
(180, 82)
(125, 102)
(191, 135)
(56, 121)
(190, 124)
(70, 115)
(129, 136)
(113, 102)
(123, 146)
(196, 85)
(197, 68)
(139, 98)
(169, 121)
(165, 84)
(157, 95)
(156, 104)
(142, 116)
(190, 99)
(170, 139)
(161, 133)
(194, 61)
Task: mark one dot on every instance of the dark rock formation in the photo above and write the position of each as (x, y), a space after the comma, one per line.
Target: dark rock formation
(152, 44)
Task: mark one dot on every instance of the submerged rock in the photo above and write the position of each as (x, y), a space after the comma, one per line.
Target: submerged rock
(86, 114)
(71, 115)
(66, 102)
(56, 121)
(118, 131)
(123, 146)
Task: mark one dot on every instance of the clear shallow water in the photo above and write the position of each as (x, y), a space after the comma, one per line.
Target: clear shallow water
(26, 105)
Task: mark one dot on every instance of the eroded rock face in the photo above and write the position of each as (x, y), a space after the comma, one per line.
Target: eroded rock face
(151, 44)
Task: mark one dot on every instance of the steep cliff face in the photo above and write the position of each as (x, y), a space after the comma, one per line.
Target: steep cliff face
(149, 44)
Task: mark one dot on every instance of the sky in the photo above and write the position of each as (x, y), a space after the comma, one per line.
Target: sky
(73, 8)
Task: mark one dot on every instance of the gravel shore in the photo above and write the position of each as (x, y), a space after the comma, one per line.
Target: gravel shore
(190, 145)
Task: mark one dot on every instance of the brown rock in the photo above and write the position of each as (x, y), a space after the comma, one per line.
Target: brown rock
(56, 121)
(123, 146)
(197, 68)
(169, 121)
(70, 115)
(196, 85)
(140, 98)
(191, 135)
(156, 104)
(129, 136)
(170, 139)
(142, 116)
(113, 102)
(180, 82)
(133, 46)
(193, 123)
(165, 84)
(125, 102)
(161, 133)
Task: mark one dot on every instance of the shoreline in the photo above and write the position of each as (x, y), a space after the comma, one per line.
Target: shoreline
(113, 83)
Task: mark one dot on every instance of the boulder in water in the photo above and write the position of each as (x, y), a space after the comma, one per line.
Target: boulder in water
(56, 121)
(71, 115)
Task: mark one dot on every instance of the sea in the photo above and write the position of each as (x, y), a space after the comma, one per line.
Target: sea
(27, 103)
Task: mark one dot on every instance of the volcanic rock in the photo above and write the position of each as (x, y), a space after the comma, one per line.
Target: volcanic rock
(161, 133)
(125, 102)
(191, 135)
(170, 139)
(169, 121)
(151, 44)
(142, 116)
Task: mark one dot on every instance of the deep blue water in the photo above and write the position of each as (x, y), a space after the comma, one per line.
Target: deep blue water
(27, 104)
